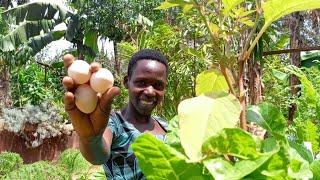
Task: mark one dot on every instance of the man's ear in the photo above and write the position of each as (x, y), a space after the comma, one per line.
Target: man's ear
(126, 81)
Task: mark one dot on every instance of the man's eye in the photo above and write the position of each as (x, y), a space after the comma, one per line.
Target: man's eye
(140, 83)
(159, 86)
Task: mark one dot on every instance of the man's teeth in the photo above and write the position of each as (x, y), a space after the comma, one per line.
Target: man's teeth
(146, 102)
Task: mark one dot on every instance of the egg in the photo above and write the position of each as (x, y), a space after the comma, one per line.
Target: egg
(79, 71)
(86, 98)
(101, 80)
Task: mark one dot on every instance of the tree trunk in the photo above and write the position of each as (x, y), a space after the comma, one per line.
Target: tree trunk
(117, 64)
(255, 84)
(295, 24)
(5, 4)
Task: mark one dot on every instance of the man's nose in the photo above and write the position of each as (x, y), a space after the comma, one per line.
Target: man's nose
(150, 91)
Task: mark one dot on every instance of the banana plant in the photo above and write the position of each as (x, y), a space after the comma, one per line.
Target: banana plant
(35, 26)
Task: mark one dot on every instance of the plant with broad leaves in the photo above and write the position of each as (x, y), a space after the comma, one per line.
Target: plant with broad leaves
(208, 138)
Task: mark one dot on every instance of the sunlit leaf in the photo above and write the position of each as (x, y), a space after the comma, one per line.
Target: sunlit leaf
(205, 115)
(214, 28)
(230, 4)
(185, 4)
(210, 81)
(274, 9)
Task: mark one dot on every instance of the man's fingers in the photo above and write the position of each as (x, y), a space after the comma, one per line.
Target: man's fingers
(100, 116)
(107, 97)
(80, 120)
(68, 60)
(94, 67)
(69, 103)
(68, 83)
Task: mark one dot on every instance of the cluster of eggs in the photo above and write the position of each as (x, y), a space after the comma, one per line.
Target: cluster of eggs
(86, 94)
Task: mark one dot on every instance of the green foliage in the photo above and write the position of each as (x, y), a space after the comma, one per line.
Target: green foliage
(308, 131)
(268, 117)
(315, 168)
(33, 19)
(222, 169)
(32, 84)
(159, 161)
(226, 143)
(70, 165)
(226, 153)
(9, 161)
(3, 25)
(74, 163)
(40, 170)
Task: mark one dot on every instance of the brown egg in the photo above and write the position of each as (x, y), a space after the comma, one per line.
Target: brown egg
(86, 98)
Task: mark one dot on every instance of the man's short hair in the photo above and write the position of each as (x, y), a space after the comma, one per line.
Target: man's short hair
(146, 54)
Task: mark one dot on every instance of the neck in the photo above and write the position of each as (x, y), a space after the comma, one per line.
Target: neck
(133, 116)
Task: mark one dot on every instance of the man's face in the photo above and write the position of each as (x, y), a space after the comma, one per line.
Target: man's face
(146, 85)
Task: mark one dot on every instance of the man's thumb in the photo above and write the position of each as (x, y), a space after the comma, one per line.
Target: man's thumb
(107, 97)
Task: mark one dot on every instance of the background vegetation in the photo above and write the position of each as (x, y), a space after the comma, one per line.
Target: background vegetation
(212, 46)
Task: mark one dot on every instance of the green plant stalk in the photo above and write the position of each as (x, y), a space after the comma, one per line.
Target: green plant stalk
(213, 37)
(246, 46)
(242, 60)
(255, 41)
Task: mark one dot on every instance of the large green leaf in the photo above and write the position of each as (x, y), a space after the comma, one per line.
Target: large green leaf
(172, 3)
(39, 42)
(280, 75)
(298, 167)
(37, 11)
(315, 168)
(274, 9)
(224, 170)
(210, 81)
(159, 161)
(230, 4)
(91, 40)
(308, 90)
(302, 150)
(268, 117)
(25, 31)
(231, 141)
(274, 168)
(204, 116)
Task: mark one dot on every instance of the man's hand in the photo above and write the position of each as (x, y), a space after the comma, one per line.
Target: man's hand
(87, 125)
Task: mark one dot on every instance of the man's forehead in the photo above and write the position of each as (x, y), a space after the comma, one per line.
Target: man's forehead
(150, 63)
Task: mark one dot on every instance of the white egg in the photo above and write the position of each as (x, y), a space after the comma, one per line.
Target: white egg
(101, 80)
(86, 98)
(79, 71)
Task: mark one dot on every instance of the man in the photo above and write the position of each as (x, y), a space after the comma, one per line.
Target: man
(105, 137)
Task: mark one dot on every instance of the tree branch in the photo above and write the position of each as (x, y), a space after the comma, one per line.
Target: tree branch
(284, 51)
